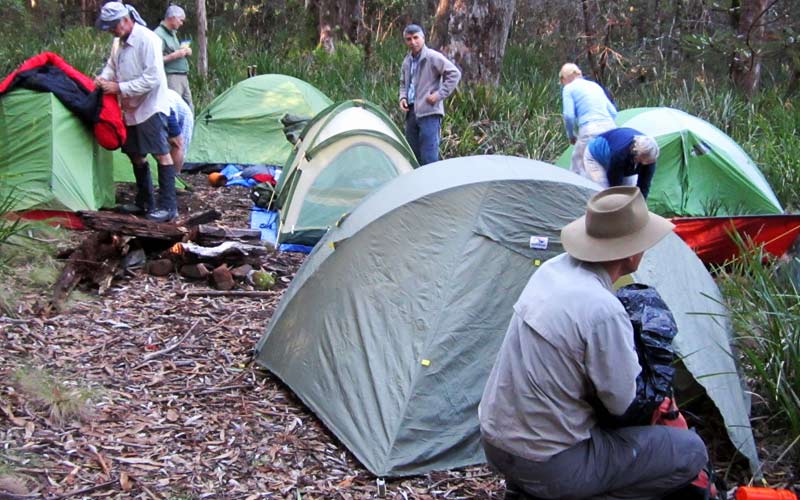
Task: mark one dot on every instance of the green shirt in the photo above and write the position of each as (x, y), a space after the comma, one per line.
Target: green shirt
(170, 45)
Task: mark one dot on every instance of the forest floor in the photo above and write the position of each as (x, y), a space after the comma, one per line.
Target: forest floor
(145, 392)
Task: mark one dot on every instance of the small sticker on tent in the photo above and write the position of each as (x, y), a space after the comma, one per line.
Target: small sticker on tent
(426, 362)
(539, 242)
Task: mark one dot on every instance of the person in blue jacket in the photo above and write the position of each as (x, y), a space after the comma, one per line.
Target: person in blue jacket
(586, 108)
(622, 156)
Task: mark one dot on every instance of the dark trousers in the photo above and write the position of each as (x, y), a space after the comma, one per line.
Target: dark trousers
(628, 463)
(422, 135)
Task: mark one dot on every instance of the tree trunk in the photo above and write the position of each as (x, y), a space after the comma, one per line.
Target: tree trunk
(202, 40)
(338, 20)
(473, 33)
(746, 65)
(589, 35)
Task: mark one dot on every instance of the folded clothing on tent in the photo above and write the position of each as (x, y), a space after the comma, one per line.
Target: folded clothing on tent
(47, 72)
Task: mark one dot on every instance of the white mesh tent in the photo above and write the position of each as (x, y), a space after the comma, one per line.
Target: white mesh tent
(345, 153)
(389, 329)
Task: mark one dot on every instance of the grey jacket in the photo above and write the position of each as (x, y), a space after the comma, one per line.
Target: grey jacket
(435, 73)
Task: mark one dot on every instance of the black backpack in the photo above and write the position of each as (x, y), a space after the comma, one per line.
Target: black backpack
(262, 195)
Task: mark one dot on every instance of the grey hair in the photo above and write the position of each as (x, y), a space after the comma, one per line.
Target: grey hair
(645, 148)
(175, 11)
(568, 70)
(413, 28)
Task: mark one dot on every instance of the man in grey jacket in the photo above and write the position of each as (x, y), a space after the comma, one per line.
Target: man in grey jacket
(426, 79)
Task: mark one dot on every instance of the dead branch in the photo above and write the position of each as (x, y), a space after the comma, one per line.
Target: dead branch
(174, 346)
(227, 293)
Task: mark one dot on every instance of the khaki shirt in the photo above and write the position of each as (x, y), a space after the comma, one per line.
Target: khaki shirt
(570, 341)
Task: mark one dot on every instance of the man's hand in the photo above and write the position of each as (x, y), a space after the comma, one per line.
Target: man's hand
(108, 86)
(187, 51)
(432, 98)
(175, 142)
(404, 104)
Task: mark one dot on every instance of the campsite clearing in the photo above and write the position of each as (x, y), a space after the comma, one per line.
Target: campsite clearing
(176, 408)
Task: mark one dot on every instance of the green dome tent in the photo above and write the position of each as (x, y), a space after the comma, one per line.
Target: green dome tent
(243, 124)
(391, 326)
(700, 171)
(345, 153)
(51, 160)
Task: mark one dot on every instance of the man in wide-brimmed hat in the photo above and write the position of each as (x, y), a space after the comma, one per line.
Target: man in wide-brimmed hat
(135, 72)
(570, 345)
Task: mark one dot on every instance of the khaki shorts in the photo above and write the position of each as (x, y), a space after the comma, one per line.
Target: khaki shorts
(179, 82)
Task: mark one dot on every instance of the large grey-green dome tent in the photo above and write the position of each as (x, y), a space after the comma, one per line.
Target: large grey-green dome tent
(346, 152)
(390, 328)
(243, 124)
(700, 171)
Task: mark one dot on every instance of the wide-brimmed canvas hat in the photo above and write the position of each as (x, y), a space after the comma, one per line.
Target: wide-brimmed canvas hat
(617, 224)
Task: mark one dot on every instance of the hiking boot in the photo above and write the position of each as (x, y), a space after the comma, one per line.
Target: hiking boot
(167, 199)
(145, 199)
(161, 215)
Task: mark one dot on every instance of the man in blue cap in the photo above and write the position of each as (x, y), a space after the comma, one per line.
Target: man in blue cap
(135, 72)
(427, 77)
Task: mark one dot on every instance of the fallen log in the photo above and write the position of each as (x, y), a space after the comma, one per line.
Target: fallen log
(227, 293)
(132, 225)
(213, 235)
(138, 226)
(205, 217)
(226, 251)
(96, 260)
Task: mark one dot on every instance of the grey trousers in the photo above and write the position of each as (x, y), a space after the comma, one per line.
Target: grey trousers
(628, 463)
(179, 82)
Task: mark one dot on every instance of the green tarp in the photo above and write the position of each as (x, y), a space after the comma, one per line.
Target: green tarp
(243, 124)
(700, 171)
(390, 328)
(50, 159)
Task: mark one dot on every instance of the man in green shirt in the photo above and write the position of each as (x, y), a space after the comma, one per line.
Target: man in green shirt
(176, 62)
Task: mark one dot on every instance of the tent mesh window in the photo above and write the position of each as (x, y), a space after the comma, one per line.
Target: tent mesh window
(350, 177)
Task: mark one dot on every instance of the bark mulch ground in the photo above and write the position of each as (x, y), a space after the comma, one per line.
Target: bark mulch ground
(145, 392)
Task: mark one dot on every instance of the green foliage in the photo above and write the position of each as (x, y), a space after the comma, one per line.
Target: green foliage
(765, 312)
(85, 49)
(26, 260)
(9, 227)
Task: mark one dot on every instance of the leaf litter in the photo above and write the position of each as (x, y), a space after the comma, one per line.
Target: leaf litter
(176, 408)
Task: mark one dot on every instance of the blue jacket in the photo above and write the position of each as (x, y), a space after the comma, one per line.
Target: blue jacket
(584, 102)
(612, 150)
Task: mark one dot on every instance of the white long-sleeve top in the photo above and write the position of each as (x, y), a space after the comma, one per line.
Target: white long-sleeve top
(137, 65)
